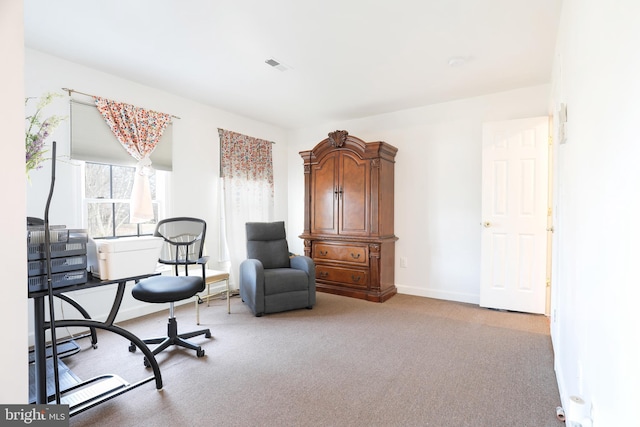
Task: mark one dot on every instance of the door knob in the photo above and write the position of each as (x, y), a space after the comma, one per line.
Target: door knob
(486, 224)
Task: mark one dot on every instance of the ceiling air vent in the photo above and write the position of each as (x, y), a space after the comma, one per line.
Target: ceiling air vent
(277, 65)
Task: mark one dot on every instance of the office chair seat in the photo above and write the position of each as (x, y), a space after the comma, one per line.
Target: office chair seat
(159, 289)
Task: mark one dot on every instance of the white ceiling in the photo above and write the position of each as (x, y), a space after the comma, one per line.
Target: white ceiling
(347, 58)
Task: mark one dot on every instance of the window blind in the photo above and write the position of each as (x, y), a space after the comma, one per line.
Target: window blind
(93, 141)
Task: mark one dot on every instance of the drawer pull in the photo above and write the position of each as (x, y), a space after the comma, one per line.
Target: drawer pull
(355, 256)
(323, 253)
(323, 274)
(356, 279)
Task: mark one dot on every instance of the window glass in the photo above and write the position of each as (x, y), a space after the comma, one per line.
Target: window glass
(121, 181)
(107, 194)
(100, 219)
(97, 181)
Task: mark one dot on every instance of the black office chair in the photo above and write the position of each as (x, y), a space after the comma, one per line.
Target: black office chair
(184, 241)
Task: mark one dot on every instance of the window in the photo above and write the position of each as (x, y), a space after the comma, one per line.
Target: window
(107, 191)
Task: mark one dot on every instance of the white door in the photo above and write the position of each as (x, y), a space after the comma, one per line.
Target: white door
(514, 215)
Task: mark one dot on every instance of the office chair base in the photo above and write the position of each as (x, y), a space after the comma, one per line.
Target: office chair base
(173, 338)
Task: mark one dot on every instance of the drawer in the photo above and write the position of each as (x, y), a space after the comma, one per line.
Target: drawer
(340, 252)
(346, 276)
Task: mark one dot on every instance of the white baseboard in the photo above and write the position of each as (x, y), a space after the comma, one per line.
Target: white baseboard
(438, 294)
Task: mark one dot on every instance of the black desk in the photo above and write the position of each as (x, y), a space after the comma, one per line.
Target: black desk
(41, 325)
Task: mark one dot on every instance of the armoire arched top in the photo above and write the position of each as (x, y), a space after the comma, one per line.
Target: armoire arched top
(341, 140)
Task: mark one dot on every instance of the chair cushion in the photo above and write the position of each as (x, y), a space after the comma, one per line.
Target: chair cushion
(272, 254)
(161, 289)
(267, 242)
(266, 230)
(280, 280)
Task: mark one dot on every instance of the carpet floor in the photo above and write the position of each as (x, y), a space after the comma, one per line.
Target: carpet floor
(410, 361)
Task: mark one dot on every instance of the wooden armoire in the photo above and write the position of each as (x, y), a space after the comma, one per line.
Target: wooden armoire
(348, 216)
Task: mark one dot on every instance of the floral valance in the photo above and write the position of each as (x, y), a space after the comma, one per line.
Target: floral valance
(137, 129)
(245, 157)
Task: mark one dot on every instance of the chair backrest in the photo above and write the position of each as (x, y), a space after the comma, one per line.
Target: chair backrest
(267, 242)
(184, 240)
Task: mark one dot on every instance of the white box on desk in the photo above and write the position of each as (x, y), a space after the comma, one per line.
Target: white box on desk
(126, 257)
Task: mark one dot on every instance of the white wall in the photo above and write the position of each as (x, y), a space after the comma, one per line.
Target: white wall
(437, 185)
(194, 181)
(595, 286)
(13, 290)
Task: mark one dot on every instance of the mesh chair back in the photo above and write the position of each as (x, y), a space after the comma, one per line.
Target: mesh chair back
(184, 240)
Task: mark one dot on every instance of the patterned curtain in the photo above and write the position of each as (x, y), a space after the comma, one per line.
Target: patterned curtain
(246, 170)
(139, 131)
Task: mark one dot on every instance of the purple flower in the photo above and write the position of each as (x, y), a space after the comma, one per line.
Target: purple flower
(38, 131)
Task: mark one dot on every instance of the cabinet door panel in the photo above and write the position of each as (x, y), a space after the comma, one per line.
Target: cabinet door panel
(354, 197)
(324, 199)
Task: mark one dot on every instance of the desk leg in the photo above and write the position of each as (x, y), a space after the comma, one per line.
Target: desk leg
(85, 314)
(39, 351)
(116, 303)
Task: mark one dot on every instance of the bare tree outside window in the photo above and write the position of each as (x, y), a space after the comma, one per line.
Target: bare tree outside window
(107, 194)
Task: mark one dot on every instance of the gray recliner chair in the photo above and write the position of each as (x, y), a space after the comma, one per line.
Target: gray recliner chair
(271, 281)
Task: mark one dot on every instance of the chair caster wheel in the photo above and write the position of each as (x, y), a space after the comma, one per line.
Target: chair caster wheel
(146, 363)
(132, 348)
(200, 353)
(207, 335)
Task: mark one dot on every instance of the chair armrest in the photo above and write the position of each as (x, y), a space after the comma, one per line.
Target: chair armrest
(202, 260)
(251, 272)
(307, 265)
(304, 263)
(252, 284)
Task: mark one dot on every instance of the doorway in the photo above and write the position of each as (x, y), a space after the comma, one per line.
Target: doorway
(515, 173)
